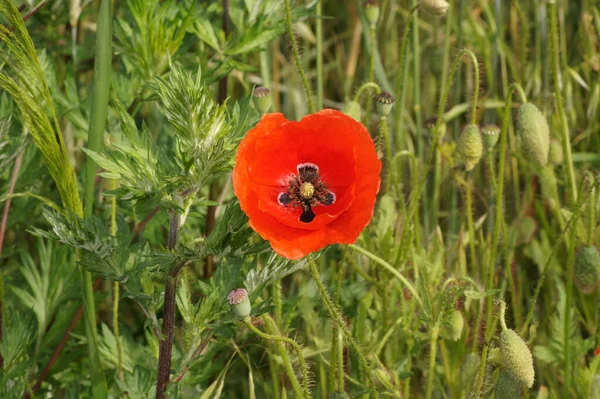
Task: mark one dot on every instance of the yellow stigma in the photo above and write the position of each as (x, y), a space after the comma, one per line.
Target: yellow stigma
(307, 190)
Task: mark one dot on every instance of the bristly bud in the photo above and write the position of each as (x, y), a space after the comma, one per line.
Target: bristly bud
(516, 357)
(240, 304)
(534, 132)
(435, 7)
(555, 153)
(490, 135)
(385, 102)
(262, 99)
(507, 387)
(587, 269)
(470, 146)
(371, 11)
(353, 109)
(453, 328)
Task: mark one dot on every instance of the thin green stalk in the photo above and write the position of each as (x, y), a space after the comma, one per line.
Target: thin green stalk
(335, 314)
(277, 302)
(265, 68)
(113, 232)
(336, 369)
(401, 80)
(98, 114)
(432, 359)
(471, 226)
(591, 216)
(248, 322)
(389, 268)
(365, 86)
(319, 55)
(556, 73)
(384, 132)
(292, 37)
(371, 71)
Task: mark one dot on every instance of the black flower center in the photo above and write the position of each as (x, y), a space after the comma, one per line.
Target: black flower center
(306, 190)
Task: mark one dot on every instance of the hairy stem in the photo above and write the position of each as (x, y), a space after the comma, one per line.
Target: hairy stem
(294, 43)
(432, 359)
(319, 60)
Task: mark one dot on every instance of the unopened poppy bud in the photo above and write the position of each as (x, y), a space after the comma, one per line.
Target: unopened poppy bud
(555, 153)
(372, 11)
(516, 357)
(262, 99)
(240, 304)
(435, 7)
(470, 146)
(385, 102)
(507, 387)
(352, 109)
(534, 132)
(587, 269)
(453, 328)
(490, 135)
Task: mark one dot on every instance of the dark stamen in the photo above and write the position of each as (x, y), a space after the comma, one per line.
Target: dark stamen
(284, 199)
(329, 199)
(307, 215)
(308, 172)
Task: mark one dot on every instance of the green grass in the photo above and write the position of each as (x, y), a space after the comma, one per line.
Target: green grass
(114, 148)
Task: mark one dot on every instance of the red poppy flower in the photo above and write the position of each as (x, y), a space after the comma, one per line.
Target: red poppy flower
(597, 351)
(307, 184)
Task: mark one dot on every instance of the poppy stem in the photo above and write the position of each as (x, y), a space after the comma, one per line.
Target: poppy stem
(294, 43)
(248, 322)
(336, 315)
(365, 86)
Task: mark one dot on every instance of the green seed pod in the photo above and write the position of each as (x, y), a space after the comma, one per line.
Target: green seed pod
(587, 269)
(385, 102)
(240, 304)
(507, 387)
(468, 370)
(470, 146)
(353, 109)
(371, 11)
(534, 132)
(262, 99)
(516, 357)
(490, 135)
(453, 328)
(555, 153)
(435, 7)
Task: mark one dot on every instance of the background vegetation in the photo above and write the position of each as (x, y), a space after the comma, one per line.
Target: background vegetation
(103, 292)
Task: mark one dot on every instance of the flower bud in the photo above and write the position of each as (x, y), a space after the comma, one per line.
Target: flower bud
(353, 109)
(516, 357)
(534, 132)
(470, 146)
(385, 102)
(468, 370)
(371, 11)
(555, 153)
(507, 387)
(240, 304)
(587, 269)
(453, 328)
(435, 7)
(490, 135)
(262, 99)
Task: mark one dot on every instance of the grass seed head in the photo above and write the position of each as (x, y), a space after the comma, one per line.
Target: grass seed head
(587, 269)
(470, 146)
(435, 7)
(534, 132)
(516, 357)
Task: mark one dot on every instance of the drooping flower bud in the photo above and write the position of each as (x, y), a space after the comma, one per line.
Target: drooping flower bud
(240, 304)
(507, 387)
(435, 7)
(555, 153)
(470, 146)
(534, 132)
(385, 102)
(262, 99)
(516, 357)
(587, 269)
(453, 328)
(371, 11)
(490, 135)
(353, 109)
